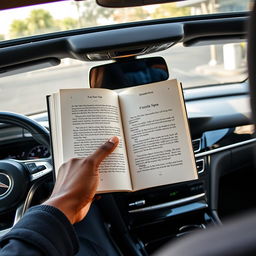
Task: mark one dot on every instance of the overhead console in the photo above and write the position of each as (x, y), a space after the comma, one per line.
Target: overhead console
(117, 41)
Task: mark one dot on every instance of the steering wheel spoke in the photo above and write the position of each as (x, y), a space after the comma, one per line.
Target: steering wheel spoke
(18, 215)
(38, 168)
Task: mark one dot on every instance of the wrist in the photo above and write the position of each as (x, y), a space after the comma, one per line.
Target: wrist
(64, 206)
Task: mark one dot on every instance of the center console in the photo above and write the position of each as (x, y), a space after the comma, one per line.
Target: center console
(143, 221)
(160, 215)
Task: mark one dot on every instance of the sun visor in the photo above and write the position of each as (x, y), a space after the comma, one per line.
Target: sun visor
(21, 3)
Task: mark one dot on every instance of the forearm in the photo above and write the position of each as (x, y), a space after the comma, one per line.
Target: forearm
(17, 247)
(44, 230)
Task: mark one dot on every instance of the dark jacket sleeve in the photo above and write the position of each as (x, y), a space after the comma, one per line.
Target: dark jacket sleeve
(43, 230)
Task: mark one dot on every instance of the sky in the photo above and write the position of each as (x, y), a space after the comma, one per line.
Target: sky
(59, 10)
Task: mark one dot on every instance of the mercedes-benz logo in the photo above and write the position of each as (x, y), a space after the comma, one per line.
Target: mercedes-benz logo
(5, 184)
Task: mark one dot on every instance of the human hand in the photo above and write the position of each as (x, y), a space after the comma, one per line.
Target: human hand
(77, 183)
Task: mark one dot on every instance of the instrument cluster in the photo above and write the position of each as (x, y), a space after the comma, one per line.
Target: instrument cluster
(24, 151)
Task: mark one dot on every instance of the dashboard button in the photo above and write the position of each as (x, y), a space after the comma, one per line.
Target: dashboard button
(31, 167)
(41, 168)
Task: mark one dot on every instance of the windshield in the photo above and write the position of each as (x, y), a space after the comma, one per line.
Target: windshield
(207, 65)
(193, 66)
(67, 15)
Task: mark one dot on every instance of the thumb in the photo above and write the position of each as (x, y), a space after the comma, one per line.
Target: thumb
(104, 150)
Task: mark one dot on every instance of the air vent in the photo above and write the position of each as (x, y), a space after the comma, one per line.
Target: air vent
(200, 166)
(196, 145)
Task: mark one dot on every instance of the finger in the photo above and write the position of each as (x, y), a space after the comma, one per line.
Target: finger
(104, 150)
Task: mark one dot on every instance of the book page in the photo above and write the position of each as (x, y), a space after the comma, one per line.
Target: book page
(157, 135)
(53, 125)
(89, 117)
(55, 122)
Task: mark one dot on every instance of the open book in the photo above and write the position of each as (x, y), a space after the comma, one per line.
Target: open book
(155, 145)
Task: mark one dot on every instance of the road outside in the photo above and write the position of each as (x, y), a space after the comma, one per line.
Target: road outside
(25, 93)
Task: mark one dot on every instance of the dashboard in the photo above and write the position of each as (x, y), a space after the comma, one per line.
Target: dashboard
(17, 143)
(223, 143)
(24, 150)
(224, 160)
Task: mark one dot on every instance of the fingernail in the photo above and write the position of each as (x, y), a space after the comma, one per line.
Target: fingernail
(113, 140)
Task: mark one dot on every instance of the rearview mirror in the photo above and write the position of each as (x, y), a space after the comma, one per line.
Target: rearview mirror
(129, 72)
(131, 3)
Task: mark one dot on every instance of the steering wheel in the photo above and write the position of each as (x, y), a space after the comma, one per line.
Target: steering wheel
(17, 178)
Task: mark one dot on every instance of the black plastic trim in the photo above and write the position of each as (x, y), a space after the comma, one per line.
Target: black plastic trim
(219, 28)
(226, 162)
(131, 35)
(119, 38)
